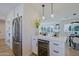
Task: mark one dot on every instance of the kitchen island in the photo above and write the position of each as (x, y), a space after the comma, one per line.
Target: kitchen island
(57, 46)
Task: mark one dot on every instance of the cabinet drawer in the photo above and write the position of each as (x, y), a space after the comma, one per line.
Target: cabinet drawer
(58, 51)
(58, 44)
(57, 48)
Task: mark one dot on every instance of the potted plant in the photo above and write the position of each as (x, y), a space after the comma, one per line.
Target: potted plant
(37, 24)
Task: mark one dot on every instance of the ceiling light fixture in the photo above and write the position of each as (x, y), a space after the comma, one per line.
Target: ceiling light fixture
(52, 10)
(43, 17)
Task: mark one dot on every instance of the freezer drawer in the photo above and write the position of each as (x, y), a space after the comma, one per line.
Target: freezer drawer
(17, 50)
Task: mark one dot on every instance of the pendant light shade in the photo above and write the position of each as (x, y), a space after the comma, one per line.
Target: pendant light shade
(52, 10)
(43, 17)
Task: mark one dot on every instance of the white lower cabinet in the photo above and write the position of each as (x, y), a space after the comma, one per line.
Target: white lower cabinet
(57, 48)
(35, 46)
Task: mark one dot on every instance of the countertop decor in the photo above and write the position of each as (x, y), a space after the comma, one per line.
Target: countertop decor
(37, 24)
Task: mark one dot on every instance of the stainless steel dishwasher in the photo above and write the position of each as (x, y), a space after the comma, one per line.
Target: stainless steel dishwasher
(43, 47)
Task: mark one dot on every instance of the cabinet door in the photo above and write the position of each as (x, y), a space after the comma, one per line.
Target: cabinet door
(34, 46)
(57, 48)
(51, 48)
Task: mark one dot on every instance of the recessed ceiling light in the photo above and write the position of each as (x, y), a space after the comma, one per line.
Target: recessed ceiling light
(74, 14)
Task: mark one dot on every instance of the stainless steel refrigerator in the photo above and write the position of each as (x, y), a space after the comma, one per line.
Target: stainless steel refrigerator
(17, 36)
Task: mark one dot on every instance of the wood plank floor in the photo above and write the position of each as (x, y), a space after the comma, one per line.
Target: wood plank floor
(71, 52)
(4, 50)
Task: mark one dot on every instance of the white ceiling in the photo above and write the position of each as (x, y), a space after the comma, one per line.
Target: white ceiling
(61, 10)
(66, 10)
(5, 9)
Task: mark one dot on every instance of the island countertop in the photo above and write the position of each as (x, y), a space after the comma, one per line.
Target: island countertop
(49, 38)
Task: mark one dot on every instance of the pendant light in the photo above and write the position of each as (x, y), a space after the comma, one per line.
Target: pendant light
(43, 17)
(52, 10)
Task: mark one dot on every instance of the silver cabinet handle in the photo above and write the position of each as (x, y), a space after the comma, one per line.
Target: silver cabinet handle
(56, 44)
(33, 39)
(56, 51)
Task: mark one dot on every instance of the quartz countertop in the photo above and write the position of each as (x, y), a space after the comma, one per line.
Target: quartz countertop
(49, 38)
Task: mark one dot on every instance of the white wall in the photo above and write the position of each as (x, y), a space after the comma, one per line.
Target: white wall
(9, 20)
(30, 13)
